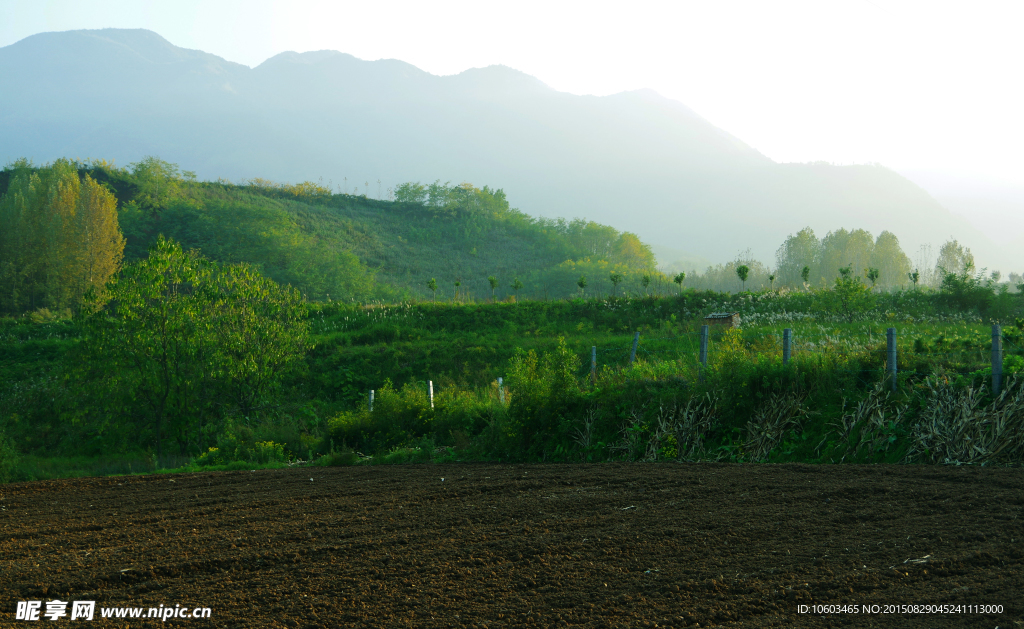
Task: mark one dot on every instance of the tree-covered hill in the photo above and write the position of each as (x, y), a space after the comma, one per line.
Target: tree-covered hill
(346, 247)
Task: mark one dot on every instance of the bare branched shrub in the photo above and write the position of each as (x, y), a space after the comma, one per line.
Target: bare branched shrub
(779, 414)
(955, 428)
(871, 426)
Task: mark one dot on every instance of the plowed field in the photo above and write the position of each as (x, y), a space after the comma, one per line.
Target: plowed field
(609, 545)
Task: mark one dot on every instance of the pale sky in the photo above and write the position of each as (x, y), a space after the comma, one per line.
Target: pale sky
(925, 87)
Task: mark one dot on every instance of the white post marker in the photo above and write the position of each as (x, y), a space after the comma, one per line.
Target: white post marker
(501, 390)
(371, 400)
(430, 389)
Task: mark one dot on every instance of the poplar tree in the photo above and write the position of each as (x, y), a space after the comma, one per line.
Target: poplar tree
(59, 237)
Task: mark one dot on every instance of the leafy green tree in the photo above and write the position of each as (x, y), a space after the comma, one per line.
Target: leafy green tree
(493, 281)
(842, 247)
(679, 279)
(850, 294)
(632, 252)
(742, 272)
(184, 341)
(887, 256)
(966, 290)
(914, 277)
(805, 274)
(582, 283)
(796, 253)
(645, 281)
(954, 258)
(771, 281)
(516, 286)
(159, 183)
(432, 285)
(458, 283)
(616, 279)
(872, 275)
(411, 193)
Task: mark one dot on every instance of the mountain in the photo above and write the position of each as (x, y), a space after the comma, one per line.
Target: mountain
(635, 160)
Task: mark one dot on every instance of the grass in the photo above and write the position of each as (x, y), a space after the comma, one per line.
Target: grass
(823, 406)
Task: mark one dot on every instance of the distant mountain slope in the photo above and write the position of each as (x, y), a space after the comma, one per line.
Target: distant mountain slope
(634, 160)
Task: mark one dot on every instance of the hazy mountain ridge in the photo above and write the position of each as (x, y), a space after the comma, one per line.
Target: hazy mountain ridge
(634, 160)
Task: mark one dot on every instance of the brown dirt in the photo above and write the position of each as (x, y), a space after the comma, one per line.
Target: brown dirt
(610, 545)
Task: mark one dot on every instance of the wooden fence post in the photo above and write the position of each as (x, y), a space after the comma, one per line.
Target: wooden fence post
(632, 353)
(787, 345)
(890, 346)
(997, 359)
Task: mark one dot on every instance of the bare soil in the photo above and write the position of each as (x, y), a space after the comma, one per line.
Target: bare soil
(608, 545)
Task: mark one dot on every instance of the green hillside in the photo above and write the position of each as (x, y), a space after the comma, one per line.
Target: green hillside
(343, 247)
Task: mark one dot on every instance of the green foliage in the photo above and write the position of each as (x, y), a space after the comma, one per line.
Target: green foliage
(184, 341)
(849, 297)
(872, 275)
(207, 354)
(59, 238)
(616, 279)
(857, 249)
(9, 458)
(743, 272)
(722, 277)
(967, 291)
(231, 450)
(493, 281)
(679, 279)
(540, 390)
(403, 418)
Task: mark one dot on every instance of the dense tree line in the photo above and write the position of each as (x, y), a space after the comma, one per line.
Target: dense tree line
(59, 237)
(840, 249)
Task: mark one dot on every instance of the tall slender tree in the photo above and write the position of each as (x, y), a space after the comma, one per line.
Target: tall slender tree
(493, 281)
(679, 279)
(742, 272)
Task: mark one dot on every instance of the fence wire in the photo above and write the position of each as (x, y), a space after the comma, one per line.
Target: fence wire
(684, 347)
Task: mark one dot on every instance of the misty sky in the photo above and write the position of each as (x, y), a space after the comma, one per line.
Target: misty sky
(928, 88)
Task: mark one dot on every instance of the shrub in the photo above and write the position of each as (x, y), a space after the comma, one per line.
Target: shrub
(8, 459)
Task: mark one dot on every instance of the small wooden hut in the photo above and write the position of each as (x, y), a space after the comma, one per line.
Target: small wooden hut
(723, 319)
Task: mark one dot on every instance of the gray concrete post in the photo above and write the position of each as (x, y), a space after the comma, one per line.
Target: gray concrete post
(890, 346)
(997, 359)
